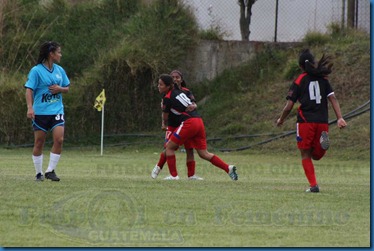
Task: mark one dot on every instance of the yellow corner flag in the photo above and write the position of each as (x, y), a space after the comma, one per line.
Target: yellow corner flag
(100, 101)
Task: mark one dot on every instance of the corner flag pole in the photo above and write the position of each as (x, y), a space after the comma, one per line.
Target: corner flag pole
(102, 131)
(99, 106)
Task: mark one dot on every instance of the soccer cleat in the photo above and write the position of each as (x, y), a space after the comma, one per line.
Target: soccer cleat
(194, 177)
(314, 189)
(172, 178)
(232, 172)
(52, 176)
(324, 140)
(156, 170)
(39, 177)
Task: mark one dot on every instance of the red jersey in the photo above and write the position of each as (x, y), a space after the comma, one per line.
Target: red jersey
(312, 92)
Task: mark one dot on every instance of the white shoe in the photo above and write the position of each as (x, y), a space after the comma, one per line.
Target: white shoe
(172, 178)
(194, 177)
(232, 172)
(156, 170)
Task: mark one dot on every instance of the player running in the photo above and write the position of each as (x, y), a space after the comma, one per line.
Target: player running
(312, 89)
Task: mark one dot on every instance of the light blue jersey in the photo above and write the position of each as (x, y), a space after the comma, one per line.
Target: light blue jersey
(39, 79)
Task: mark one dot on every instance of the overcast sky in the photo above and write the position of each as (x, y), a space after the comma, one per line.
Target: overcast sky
(295, 17)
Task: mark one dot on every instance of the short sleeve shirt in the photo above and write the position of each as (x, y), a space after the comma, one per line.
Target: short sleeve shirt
(39, 79)
(312, 93)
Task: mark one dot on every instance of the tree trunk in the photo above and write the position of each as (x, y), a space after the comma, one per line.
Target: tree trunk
(245, 17)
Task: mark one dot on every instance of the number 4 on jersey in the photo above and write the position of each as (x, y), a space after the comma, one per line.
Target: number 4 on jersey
(314, 92)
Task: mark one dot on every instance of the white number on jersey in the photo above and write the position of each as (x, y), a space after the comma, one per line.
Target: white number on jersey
(183, 99)
(314, 92)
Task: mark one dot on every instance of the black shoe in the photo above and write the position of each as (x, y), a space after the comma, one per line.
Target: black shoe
(52, 176)
(39, 177)
(314, 189)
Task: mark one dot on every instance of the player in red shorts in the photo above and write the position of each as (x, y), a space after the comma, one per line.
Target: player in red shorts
(171, 126)
(191, 128)
(312, 89)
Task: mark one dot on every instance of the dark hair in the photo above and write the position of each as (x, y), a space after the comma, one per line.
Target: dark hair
(183, 83)
(45, 49)
(167, 79)
(304, 57)
(306, 61)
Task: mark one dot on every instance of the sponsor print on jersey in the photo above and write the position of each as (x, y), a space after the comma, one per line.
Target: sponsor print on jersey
(50, 98)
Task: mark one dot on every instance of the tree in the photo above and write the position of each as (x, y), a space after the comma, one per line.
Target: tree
(245, 17)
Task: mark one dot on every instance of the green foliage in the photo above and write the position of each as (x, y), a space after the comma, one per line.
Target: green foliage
(214, 33)
(83, 30)
(291, 70)
(316, 38)
(159, 47)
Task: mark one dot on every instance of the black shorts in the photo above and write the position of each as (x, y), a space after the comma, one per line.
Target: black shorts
(47, 122)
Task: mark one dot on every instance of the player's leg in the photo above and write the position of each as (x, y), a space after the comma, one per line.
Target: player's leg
(58, 139)
(37, 153)
(40, 126)
(305, 137)
(162, 159)
(171, 147)
(321, 142)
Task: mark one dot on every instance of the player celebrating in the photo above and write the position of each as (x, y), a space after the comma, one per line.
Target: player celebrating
(172, 125)
(44, 87)
(312, 89)
(191, 128)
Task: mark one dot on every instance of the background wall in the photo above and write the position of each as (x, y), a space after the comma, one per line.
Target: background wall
(213, 57)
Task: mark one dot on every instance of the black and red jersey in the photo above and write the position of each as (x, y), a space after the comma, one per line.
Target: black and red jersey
(175, 103)
(312, 92)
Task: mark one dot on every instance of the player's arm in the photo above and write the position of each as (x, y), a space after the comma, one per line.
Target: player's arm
(165, 118)
(30, 102)
(286, 110)
(335, 105)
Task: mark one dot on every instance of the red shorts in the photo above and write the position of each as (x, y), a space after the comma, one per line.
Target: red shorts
(169, 132)
(192, 133)
(308, 136)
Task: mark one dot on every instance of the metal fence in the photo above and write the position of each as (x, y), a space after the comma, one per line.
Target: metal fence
(279, 20)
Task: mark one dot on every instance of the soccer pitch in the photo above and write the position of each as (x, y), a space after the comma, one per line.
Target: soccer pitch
(111, 201)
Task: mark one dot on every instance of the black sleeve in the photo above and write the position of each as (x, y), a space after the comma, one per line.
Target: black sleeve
(292, 93)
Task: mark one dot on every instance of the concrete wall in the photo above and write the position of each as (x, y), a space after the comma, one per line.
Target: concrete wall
(211, 58)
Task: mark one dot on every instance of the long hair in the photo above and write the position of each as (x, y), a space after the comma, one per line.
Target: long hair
(323, 68)
(45, 49)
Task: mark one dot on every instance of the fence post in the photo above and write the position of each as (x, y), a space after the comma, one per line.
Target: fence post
(276, 21)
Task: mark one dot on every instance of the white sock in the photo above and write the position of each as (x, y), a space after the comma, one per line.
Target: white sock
(53, 160)
(38, 163)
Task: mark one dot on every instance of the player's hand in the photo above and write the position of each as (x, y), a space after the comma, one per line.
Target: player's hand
(191, 107)
(341, 123)
(54, 89)
(164, 128)
(279, 122)
(30, 113)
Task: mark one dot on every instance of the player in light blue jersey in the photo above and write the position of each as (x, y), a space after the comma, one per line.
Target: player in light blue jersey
(44, 87)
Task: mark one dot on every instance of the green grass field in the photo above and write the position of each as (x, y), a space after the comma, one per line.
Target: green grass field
(111, 201)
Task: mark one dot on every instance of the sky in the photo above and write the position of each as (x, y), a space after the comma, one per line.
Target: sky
(295, 17)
